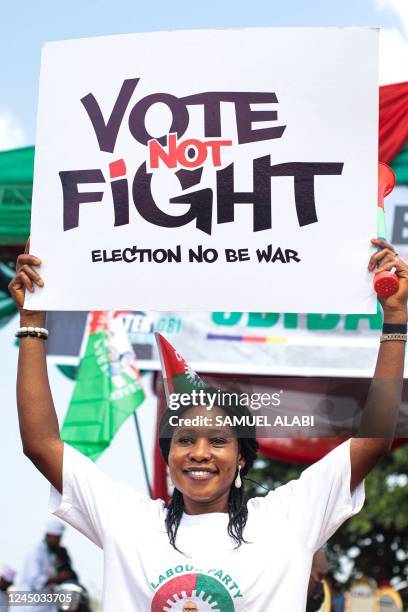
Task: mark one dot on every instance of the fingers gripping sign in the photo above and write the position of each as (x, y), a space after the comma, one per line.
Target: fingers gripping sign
(26, 277)
(385, 280)
(387, 262)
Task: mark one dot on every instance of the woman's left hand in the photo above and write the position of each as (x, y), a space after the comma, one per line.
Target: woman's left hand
(384, 260)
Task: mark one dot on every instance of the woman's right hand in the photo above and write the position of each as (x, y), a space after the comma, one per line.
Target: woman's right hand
(26, 278)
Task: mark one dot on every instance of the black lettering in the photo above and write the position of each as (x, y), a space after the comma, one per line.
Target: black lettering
(244, 115)
(303, 174)
(212, 115)
(96, 256)
(131, 257)
(107, 133)
(142, 253)
(73, 198)
(189, 178)
(260, 197)
(210, 255)
(159, 255)
(264, 254)
(200, 204)
(179, 123)
(120, 195)
(231, 255)
(290, 254)
(243, 255)
(174, 255)
(278, 255)
(193, 256)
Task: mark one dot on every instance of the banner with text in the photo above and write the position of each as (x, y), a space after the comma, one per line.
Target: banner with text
(238, 342)
(193, 170)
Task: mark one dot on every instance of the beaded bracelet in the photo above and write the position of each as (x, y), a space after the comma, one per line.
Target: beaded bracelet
(390, 337)
(33, 332)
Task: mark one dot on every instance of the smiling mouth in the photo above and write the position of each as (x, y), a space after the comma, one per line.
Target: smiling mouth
(200, 474)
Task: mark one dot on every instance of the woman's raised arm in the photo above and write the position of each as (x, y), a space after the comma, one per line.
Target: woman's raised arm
(380, 414)
(38, 421)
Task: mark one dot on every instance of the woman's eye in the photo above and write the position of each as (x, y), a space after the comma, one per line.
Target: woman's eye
(184, 441)
(218, 441)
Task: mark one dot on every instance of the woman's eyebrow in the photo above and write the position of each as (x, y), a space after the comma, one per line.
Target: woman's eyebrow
(212, 431)
(223, 431)
(185, 431)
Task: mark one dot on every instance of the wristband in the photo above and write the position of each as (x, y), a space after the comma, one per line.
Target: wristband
(394, 328)
(33, 332)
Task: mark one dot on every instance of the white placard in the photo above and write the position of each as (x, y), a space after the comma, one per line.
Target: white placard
(266, 137)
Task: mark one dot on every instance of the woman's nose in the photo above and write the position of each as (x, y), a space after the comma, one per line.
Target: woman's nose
(201, 450)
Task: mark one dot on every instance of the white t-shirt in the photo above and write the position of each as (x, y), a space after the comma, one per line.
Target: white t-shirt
(143, 572)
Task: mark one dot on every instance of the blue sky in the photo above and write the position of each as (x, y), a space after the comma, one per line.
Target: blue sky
(24, 26)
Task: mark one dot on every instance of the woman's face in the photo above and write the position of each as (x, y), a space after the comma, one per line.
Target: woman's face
(203, 462)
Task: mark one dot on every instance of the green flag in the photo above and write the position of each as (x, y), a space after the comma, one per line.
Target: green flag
(108, 387)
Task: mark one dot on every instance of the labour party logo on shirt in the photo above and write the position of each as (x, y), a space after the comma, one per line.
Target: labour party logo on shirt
(196, 591)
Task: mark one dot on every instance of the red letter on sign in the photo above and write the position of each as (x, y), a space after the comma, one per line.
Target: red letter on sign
(157, 151)
(190, 153)
(195, 146)
(215, 146)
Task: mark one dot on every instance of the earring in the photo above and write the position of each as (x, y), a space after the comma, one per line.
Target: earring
(238, 481)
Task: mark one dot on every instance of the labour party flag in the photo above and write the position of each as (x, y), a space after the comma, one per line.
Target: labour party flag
(108, 388)
(178, 376)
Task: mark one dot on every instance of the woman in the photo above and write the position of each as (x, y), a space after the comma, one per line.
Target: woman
(211, 549)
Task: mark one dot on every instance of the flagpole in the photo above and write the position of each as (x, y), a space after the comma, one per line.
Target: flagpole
(142, 454)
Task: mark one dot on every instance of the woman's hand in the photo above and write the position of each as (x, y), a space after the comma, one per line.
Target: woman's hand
(25, 279)
(394, 306)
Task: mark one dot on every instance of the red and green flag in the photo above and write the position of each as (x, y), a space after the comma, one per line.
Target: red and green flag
(108, 388)
(178, 376)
